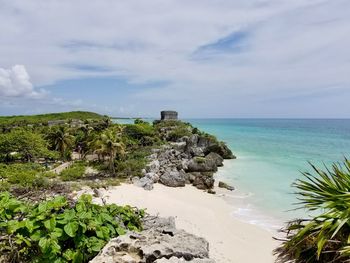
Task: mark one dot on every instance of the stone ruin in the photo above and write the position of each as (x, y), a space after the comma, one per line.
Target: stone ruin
(168, 115)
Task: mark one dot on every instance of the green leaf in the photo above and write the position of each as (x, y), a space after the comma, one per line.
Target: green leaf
(57, 232)
(44, 244)
(36, 235)
(50, 224)
(78, 257)
(71, 228)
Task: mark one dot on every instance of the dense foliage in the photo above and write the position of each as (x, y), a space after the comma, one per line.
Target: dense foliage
(74, 172)
(325, 237)
(23, 144)
(44, 118)
(56, 231)
(23, 175)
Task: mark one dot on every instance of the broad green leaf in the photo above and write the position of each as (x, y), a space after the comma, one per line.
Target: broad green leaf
(50, 224)
(71, 228)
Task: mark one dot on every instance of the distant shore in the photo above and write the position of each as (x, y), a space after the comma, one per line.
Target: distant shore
(204, 215)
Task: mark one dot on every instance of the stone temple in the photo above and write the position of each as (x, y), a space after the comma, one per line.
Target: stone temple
(168, 115)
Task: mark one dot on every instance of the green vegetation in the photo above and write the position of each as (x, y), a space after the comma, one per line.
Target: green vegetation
(56, 231)
(134, 162)
(74, 172)
(172, 130)
(45, 118)
(60, 230)
(24, 145)
(325, 237)
(109, 144)
(23, 175)
(60, 140)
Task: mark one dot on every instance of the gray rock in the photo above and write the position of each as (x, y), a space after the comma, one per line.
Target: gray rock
(153, 166)
(181, 260)
(162, 224)
(201, 164)
(216, 158)
(221, 149)
(203, 180)
(226, 186)
(144, 182)
(173, 178)
(158, 242)
(152, 176)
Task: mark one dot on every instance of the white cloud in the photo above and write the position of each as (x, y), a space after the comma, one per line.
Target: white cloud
(15, 82)
(292, 48)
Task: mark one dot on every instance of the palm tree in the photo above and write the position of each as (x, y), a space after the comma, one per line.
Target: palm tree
(61, 140)
(83, 138)
(325, 237)
(109, 144)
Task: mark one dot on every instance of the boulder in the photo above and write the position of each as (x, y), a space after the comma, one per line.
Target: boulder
(159, 241)
(202, 164)
(221, 149)
(226, 186)
(152, 176)
(173, 178)
(203, 180)
(144, 182)
(216, 158)
(153, 166)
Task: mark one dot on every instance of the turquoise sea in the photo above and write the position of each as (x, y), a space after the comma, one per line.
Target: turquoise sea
(271, 153)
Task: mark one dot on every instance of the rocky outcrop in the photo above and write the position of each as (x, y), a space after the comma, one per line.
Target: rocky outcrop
(215, 158)
(203, 180)
(200, 145)
(192, 159)
(202, 164)
(226, 186)
(160, 241)
(173, 178)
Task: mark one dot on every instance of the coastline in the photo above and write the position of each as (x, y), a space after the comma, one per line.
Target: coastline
(242, 205)
(202, 214)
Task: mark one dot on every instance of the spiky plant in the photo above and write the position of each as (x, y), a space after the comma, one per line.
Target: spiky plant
(325, 237)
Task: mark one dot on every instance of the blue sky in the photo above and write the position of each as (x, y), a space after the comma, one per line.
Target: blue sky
(204, 58)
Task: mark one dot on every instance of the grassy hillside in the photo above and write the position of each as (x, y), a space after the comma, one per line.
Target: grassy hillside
(44, 118)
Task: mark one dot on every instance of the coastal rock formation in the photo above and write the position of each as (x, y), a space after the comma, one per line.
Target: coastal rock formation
(203, 180)
(173, 178)
(198, 145)
(160, 241)
(226, 186)
(191, 159)
(202, 164)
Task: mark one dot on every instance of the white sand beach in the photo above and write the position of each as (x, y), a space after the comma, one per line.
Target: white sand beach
(204, 215)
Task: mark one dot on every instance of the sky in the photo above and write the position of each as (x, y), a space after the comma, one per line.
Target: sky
(203, 58)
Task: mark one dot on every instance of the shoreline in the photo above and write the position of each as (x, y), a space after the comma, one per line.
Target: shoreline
(204, 215)
(242, 208)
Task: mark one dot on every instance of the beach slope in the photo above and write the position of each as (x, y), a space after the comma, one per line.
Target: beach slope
(204, 215)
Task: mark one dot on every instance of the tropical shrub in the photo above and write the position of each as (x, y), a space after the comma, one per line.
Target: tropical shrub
(25, 175)
(326, 236)
(133, 164)
(56, 231)
(142, 132)
(74, 172)
(25, 143)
